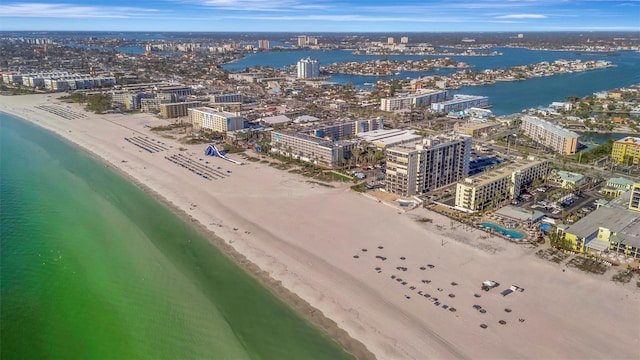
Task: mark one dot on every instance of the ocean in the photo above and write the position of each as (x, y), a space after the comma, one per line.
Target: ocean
(91, 267)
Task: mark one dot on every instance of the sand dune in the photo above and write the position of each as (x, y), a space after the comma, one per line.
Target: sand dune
(306, 236)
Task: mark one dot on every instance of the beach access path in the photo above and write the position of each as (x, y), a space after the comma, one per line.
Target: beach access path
(326, 245)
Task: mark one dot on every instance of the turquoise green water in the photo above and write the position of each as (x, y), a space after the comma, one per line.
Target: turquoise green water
(94, 268)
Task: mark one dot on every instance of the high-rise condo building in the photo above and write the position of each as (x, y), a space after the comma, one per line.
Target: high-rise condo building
(263, 44)
(429, 164)
(390, 40)
(404, 40)
(550, 135)
(308, 68)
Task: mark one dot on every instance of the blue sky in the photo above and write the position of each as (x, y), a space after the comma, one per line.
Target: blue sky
(321, 15)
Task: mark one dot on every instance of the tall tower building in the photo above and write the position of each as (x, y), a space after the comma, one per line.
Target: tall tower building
(404, 40)
(390, 40)
(308, 68)
(263, 44)
(432, 163)
(303, 40)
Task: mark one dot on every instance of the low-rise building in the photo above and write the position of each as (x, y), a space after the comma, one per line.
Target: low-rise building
(491, 188)
(566, 179)
(626, 150)
(614, 227)
(550, 135)
(615, 186)
(476, 129)
(415, 168)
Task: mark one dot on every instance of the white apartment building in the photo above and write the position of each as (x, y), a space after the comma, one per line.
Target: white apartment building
(426, 165)
(461, 102)
(490, 188)
(550, 135)
(308, 68)
(421, 98)
(214, 120)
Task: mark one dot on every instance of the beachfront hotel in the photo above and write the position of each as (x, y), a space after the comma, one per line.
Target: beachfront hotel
(308, 68)
(421, 98)
(550, 135)
(490, 188)
(428, 164)
(460, 102)
(626, 150)
(318, 151)
(214, 120)
(614, 227)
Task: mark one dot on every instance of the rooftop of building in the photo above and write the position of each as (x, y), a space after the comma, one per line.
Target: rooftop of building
(477, 125)
(519, 214)
(460, 97)
(276, 120)
(568, 176)
(629, 140)
(550, 127)
(303, 136)
(493, 175)
(213, 111)
(384, 138)
(427, 143)
(620, 181)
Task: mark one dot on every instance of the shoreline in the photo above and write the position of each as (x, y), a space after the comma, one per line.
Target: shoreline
(311, 314)
(322, 256)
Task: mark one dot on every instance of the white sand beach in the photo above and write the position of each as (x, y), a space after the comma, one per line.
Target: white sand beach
(306, 235)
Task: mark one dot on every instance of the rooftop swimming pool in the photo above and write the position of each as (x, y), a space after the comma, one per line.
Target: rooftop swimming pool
(510, 233)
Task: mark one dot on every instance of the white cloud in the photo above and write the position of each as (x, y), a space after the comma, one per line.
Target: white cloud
(522, 16)
(41, 10)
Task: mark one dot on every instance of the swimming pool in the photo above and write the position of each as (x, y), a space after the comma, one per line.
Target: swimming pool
(511, 233)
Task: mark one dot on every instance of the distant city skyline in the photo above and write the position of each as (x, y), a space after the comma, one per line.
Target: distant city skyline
(321, 15)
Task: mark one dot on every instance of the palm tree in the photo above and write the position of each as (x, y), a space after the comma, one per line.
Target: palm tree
(356, 152)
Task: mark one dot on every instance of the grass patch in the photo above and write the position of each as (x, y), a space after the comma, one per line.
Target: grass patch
(362, 187)
(321, 184)
(424, 220)
(340, 176)
(588, 265)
